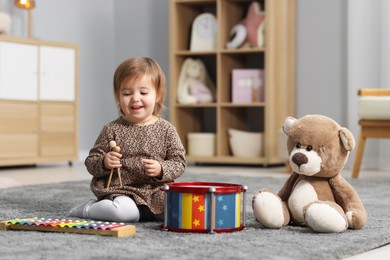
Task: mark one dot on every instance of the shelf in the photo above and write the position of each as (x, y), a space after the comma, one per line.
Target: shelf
(196, 2)
(202, 105)
(243, 51)
(276, 59)
(195, 53)
(255, 104)
(223, 51)
(235, 160)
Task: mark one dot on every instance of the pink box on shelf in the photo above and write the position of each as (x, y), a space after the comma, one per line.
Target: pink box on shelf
(247, 85)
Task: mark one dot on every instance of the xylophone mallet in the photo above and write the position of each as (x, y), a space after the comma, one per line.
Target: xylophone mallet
(117, 149)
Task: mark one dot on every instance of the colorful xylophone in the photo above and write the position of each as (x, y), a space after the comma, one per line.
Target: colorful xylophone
(69, 226)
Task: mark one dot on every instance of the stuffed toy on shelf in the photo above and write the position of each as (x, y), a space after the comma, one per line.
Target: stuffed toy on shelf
(194, 85)
(248, 33)
(315, 194)
(5, 23)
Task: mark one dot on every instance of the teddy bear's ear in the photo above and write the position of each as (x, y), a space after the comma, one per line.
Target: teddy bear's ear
(347, 139)
(288, 123)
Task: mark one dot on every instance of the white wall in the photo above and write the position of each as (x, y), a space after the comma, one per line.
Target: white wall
(107, 32)
(321, 58)
(93, 30)
(368, 67)
(111, 31)
(142, 29)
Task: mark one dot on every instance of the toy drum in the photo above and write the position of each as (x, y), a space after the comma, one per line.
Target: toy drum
(204, 207)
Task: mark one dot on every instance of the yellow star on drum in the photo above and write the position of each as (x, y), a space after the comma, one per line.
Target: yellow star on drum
(196, 222)
(195, 198)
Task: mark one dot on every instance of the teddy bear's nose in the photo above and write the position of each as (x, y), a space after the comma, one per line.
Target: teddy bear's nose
(299, 159)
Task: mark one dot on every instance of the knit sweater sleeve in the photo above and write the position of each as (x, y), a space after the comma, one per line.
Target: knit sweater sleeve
(175, 163)
(95, 160)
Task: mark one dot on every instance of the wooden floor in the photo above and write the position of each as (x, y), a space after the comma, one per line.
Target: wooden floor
(52, 173)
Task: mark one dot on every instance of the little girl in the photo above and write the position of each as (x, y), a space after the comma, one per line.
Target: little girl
(150, 153)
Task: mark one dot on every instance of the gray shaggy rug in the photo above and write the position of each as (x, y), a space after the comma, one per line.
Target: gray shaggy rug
(54, 201)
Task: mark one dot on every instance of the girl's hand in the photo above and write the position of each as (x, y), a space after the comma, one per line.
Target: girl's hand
(152, 168)
(112, 160)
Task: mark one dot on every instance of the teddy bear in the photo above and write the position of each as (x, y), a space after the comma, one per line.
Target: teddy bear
(250, 31)
(195, 85)
(315, 195)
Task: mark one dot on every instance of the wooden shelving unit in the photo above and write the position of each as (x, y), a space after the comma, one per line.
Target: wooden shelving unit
(276, 58)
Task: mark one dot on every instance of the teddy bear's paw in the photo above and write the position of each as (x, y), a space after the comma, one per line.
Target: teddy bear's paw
(349, 215)
(269, 209)
(324, 218)
(356, 219)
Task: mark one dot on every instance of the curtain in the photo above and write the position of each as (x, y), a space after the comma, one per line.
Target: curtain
(368, 66)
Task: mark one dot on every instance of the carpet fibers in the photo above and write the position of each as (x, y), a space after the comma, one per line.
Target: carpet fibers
(54, 201)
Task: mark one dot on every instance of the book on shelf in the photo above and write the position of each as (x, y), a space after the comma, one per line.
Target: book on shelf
(247, 85)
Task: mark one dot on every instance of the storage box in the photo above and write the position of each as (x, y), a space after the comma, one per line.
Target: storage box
(247, 85)
(201, 144)
(245, 144)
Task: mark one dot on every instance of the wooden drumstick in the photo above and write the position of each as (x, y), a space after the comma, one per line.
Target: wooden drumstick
(118, 150)
(112, 146)
(109, 179)
(120, 177)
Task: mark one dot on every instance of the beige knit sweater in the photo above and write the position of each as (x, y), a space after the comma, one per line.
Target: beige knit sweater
(158, 141)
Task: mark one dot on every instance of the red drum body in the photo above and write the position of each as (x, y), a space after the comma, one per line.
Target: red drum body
(204, 207)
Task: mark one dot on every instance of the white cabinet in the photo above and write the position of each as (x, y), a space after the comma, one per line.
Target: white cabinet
(38, 101)
(57, 73)
(18, 71)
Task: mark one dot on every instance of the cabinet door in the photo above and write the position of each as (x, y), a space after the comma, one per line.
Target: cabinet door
(58, 73)
(58, 129)
(18, 71)
(18, 130)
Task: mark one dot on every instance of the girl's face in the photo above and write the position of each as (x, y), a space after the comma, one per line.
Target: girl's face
(137, 100)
